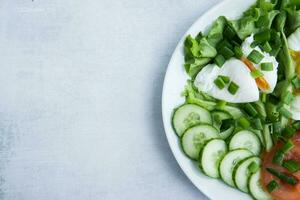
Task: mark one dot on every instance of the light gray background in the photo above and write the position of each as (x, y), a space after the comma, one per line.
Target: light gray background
(80, 98)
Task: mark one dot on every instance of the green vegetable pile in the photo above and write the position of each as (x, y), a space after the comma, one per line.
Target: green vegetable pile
(271, 22)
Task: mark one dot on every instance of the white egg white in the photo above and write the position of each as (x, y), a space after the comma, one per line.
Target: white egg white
(238, 72)
(294, 44)
(270, 76)
(294, 40)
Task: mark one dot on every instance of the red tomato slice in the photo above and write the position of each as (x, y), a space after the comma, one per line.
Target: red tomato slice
(285, 191)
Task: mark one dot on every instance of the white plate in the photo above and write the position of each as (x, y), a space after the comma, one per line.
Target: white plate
(174, 83)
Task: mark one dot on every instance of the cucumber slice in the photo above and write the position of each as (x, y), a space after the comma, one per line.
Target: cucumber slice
(189, 115)
(259, 134)
(256, 189)
(195, 137)
(246, 140)
(267, 138)
(211, 155)
(229, 162)
(242, 173)
(218, 116)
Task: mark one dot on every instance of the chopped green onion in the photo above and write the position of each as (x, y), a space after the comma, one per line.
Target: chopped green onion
(267, 66)
(238, 52)
(260, 108)
(272, 113)
(257, 124)
(278, 157)
(289, 132)
(275, 50)
(253, 167)
(224, 43)
(250, 109)
(296, 124)
(254, 44)
(276, 127)
(284, 111)
(296, 82)
(255, 56)
(220, 60)
(244, 122)
(284, 177)
(219, 83)
(226, 79)
(233, 88)
(291, 165)
(221, 104)
(266, 47)
(287, 146)
(256, 73)
(272, 185)
(288, 97)
(229, 32)
(264, 97)
(262, 36)
(226, 52)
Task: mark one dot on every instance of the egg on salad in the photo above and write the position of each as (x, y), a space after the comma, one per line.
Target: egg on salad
(294, 46)
(248, 75)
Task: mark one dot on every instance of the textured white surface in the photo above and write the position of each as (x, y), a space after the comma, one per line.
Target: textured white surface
(80, 90)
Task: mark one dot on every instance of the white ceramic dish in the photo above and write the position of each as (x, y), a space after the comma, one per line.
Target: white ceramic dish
(174, 83)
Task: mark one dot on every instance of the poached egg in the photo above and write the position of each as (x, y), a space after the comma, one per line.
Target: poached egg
(294, 45)
(239, 71)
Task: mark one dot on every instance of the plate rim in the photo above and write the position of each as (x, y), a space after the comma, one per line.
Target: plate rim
(167, 119)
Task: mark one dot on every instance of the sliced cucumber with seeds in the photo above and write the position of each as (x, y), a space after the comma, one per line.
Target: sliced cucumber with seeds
(211, 155)
(247, 140)
(259, 134)
(219, 117)
(189, 115)
(195, 137)
(229, 162)
(243, 171)
(256, 189)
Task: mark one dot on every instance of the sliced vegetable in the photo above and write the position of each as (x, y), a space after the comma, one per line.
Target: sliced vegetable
(195, 137)
(189, 115)
(267, 66)
(291, 165)
(245, 140)
(255, 56)
(233, 88)
(256, 189)
(244, 170)
(229, 162)
(220, 60)
(212, 153)
(284, 177)
(273, 185)
(219, 83)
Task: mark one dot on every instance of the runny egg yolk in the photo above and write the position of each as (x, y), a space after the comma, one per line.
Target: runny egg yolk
(296, 58)
(260, 81)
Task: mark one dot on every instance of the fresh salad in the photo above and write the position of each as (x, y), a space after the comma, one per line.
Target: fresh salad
(241, 113)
